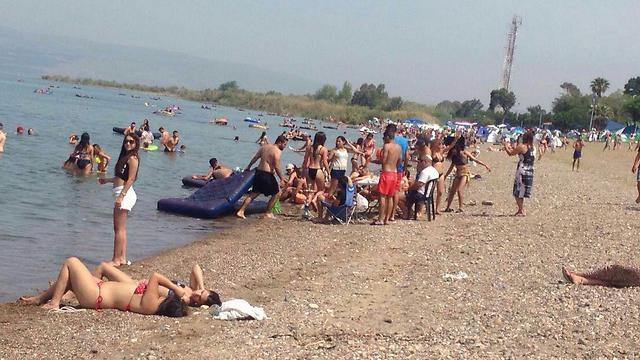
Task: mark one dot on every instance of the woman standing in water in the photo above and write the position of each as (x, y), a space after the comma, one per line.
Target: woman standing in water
(126, 173)
(82, 157)
(524, 172)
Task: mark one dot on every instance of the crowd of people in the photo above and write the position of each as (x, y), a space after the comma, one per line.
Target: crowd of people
(401, 175)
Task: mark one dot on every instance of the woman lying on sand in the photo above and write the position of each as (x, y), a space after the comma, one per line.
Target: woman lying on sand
(612, 276)
(143, 297)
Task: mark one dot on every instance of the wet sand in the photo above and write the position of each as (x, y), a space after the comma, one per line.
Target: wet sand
(332, 291)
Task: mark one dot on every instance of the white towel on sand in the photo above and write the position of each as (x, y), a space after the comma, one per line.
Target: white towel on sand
(237, 309)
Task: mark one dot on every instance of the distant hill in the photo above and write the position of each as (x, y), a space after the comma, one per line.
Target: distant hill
(31, 55)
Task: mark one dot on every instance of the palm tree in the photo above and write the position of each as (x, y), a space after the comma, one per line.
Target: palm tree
(599, 86)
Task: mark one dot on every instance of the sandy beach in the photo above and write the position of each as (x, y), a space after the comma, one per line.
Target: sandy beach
(359, 291)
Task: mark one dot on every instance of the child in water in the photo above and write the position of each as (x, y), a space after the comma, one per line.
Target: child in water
(101, 158)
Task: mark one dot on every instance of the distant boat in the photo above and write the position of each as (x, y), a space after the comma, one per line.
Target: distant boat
(43, 90)
(220, 121)
(258, 126)
(252, 120)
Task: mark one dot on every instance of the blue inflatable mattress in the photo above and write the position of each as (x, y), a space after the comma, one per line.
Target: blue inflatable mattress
(215, 199)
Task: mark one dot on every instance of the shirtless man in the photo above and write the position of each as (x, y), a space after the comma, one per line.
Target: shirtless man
(131, 129)
(172, 143)
(387, 187)
(3, 138)
(577, 152)
(215, 172)
(265, 182)
(164, 136)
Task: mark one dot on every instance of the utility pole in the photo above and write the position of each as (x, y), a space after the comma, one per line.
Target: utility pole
(510, 50)
(593, 110)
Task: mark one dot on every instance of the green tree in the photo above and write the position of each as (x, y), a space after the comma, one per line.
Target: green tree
(599, 86)
(632, 87)
(503, 98)
(570, 89)
(345, 93)
(447, 108)
(229, 86)
(370, 95)
(601, 113)
(632, 107)
(571, 112)
(394, 103)
(615, 101)
(469, 108)
(326, 92)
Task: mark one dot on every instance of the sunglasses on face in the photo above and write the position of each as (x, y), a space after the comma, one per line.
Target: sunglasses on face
(130, 142)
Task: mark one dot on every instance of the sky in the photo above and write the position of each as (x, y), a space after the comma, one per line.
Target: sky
(425, 51)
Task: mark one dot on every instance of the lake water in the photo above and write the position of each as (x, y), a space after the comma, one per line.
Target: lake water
(47, 214)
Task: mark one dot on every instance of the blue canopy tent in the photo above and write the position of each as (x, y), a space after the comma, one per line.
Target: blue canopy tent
(613, 126)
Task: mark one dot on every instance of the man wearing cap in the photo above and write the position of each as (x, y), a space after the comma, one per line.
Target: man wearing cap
(3, 138)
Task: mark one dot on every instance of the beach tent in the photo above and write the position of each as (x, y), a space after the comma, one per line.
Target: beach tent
(613, 126)
(414, 121)
(626, 132)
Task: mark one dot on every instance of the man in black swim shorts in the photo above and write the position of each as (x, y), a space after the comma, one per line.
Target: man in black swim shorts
(265, 182)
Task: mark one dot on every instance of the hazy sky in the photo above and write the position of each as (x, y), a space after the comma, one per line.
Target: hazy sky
(422, 50)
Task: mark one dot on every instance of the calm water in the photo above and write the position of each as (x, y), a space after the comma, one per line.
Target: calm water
(47, 215)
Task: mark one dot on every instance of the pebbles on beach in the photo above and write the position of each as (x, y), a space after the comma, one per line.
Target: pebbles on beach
(357, 291)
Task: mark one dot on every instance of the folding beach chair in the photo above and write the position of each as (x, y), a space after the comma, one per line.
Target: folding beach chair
(428, 201)
(343, 213)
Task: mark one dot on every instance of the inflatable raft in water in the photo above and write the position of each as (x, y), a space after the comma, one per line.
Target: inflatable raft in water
(197, 183)
(156, 135)
(216, 198)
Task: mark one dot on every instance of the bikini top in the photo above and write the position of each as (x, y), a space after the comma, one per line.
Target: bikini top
(436, 159)
(123, 172)
(459, 159)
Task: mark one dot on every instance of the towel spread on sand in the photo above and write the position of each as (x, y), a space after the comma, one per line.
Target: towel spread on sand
(237, 309)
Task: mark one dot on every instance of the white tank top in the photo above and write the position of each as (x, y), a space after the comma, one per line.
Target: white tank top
(340, 159)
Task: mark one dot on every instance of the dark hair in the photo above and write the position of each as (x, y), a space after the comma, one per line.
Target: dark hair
(213, 299)
(124, 156)
(281, 139)
(360, 141)
(213, 161)
(341, 138)
(172, 306)
(527, 138)
(318, 140)
(457, 148)
(391, 128)
(264, 133)
(84, 141)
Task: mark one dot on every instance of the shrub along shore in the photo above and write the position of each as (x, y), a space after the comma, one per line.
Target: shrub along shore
(229, 94)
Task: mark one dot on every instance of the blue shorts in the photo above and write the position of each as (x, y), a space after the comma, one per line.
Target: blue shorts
(337, 174)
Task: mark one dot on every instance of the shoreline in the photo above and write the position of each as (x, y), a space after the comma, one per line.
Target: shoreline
(334, 291)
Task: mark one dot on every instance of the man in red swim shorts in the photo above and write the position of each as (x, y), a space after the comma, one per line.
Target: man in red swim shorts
(391, 157)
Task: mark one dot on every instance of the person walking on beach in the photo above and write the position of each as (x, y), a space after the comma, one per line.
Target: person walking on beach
(523, 182)
(635, 169)
(577, 153)
(387, 185)
(607, 141)
(265, 182)
(3, 138)
(126, 173)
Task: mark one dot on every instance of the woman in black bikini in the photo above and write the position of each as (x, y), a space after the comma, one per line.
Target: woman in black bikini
(317, 158)
(460, 160)
(437, 160)
(143, 297)
(82, 157)
(126, 173)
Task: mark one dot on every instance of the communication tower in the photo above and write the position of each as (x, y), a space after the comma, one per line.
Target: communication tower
(516, 22)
